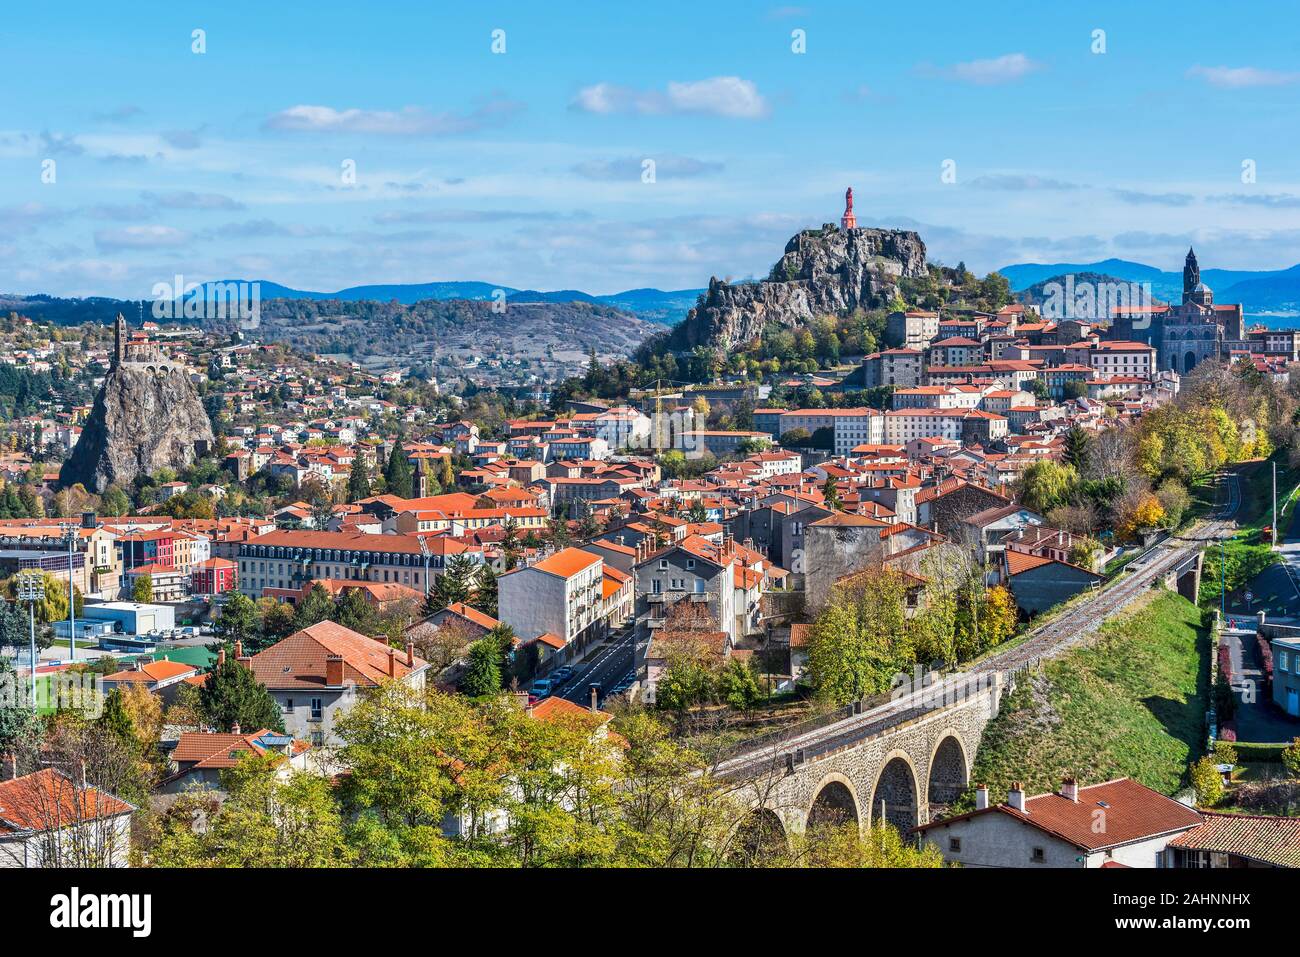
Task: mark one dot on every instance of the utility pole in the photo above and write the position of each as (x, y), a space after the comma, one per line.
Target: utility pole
(72, 604)
(1275, 504)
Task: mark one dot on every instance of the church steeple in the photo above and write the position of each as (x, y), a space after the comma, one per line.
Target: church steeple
(1191, 274)
(119, 339)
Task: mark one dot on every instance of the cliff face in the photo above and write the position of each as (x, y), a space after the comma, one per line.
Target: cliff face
(823, 272)
(142, 421)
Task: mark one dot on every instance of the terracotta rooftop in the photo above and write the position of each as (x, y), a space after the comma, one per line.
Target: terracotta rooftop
(1269, 840)
(33, 802)
(202, 749)
(1133, 812)
(298, 661)
(567, 562)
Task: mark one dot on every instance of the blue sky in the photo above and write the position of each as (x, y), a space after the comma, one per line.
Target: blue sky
(525, 167)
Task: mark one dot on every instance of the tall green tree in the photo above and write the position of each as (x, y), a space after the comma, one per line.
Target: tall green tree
(353, 610)
(238, 621)
(316, 606)
(485, 599)
(457, 582)
(358, 480)
(483, 677)
(831, 494)
(397, 476)
(232, 695)
(1078, 445)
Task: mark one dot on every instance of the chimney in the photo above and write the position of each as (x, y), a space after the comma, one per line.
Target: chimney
(234, 728)
(10, 767)
(392, 662)
(410, 654)
(139, 663)
(595, 697)
(1070, 789)
(245, 662)
(1016, 797)
(334, 671)
(221, 656)
(981, 797)
(239, 648)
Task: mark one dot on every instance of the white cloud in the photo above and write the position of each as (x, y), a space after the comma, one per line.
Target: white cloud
(1240, 77)
(141, 237)
(1003, 69)
(729, 96)
(408, 121)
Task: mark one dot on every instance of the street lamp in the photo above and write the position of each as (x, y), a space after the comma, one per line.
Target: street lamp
(31, 589)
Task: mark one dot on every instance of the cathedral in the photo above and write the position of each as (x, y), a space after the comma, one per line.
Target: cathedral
(1188, 333)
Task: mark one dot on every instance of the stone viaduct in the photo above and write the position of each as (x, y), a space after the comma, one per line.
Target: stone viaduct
(900, 762)
(906, 759)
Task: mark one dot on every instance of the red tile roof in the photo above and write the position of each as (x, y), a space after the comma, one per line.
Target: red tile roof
(1269, 840)
(203, 749)
(298, 661)
(48, 798)
(549, 709)
(567, 562)
(154, 671)
(1133, 812)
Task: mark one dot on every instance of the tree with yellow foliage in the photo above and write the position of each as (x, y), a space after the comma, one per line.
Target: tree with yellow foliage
(1147, 513)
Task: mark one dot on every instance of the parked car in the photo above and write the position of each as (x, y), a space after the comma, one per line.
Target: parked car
(561, 675)
(541, 687)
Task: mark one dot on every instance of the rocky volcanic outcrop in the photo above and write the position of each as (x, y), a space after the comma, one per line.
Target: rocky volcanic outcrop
(145, 417)
(825, 271)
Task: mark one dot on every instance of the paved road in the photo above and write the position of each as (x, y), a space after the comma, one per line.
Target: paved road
(607, 667)
(1048, 639)
(1276, 590)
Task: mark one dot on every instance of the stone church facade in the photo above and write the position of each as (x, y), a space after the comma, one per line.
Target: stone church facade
(1186, 334)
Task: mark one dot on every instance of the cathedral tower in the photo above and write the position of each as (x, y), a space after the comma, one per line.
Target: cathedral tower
(1191, 275)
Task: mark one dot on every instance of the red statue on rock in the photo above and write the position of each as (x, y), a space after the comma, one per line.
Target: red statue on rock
(848, 220)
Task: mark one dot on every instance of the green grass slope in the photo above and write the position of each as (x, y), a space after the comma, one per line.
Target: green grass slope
(1130, 705)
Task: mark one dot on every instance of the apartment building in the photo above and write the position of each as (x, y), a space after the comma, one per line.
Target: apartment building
(287, 559)
(851, 427)
(1122, 358)
(960, 425)
(563, 595)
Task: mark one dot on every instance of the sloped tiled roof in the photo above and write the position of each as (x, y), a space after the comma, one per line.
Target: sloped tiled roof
(35, 802)
(218, 750)
(154, 671)
(1271, 840)
(298, 661)
(1133, 812)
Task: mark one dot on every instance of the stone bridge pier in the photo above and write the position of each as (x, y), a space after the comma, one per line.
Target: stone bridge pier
(904, 774)
(1185, 577)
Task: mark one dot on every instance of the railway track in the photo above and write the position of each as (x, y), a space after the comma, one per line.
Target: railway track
(1046, 641)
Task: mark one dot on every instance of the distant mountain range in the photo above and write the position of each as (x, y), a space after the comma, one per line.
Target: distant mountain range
(1269, 296)
(655, 305)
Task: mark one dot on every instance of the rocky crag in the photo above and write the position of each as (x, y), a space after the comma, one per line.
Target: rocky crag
(146, 416)
(827, 271)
